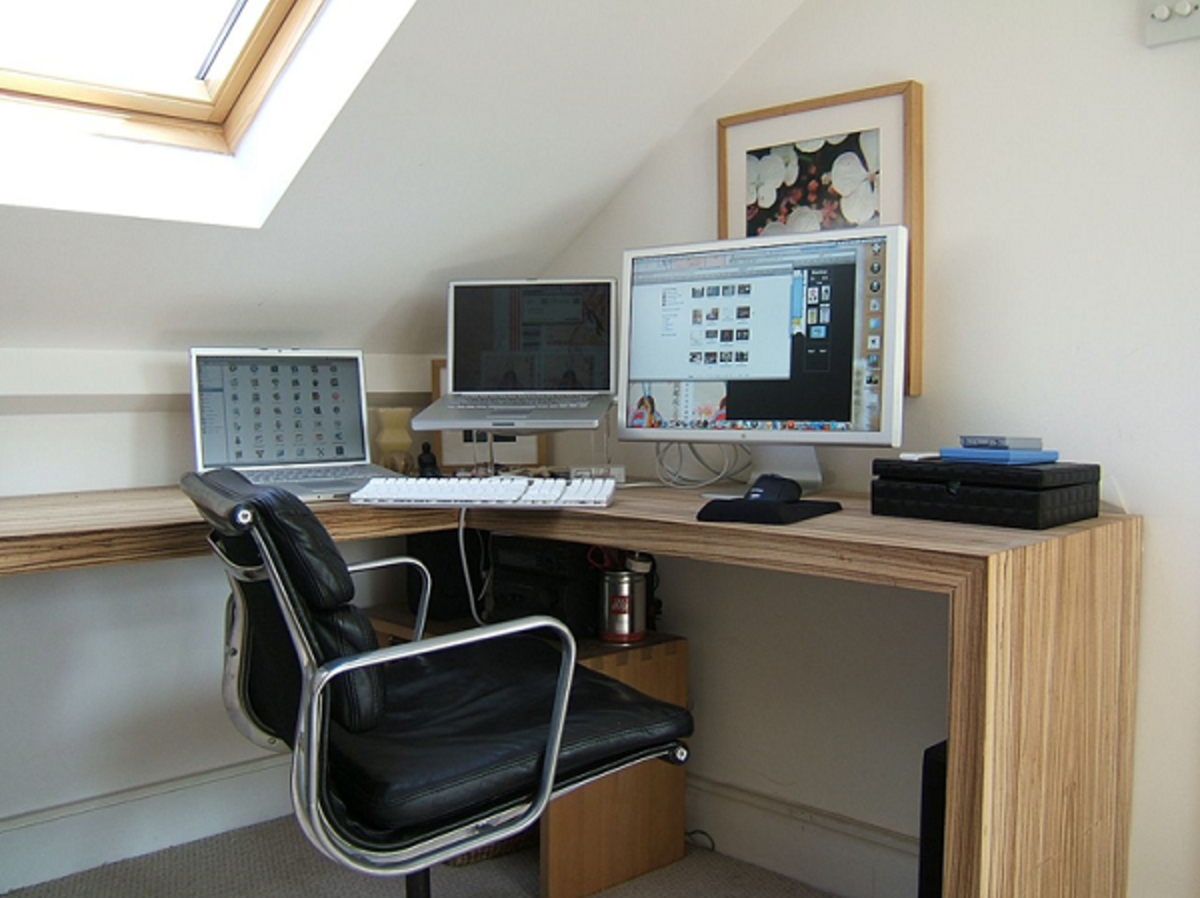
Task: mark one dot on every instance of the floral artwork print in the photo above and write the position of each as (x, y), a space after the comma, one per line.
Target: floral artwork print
(813, 185)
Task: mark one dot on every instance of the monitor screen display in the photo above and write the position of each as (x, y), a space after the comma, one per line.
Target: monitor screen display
(274, 407)
(794, 339)
(532, 335)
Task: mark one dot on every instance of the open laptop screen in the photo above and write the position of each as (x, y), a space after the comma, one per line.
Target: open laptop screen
(519, 336)
(262, 408)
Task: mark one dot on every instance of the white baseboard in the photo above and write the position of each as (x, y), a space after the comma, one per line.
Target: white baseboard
(55, 842)
(847, 857)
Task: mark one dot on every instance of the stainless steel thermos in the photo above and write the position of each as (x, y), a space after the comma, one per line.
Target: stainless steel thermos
(624, 603)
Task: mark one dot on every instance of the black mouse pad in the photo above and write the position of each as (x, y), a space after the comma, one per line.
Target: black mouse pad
(758, 511)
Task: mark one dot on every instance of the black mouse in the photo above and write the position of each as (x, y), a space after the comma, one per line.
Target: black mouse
(773, 488)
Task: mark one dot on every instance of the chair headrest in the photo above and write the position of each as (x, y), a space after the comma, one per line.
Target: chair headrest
(230, 503)
(316, 580)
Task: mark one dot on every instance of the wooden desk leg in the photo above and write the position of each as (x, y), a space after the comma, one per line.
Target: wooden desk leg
(1043, 665)
(1058, 752)
(967, 726)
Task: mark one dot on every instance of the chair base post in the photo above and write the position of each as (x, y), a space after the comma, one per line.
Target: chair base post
(416, 885)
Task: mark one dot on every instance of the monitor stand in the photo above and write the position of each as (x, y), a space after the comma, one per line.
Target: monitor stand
(799, 463)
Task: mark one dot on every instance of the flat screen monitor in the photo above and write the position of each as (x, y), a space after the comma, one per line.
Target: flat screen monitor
(791, 341)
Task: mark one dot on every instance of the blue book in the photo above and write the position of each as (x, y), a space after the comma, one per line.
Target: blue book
(999, 456)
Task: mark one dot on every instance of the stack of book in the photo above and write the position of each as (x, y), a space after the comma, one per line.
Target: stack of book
(999, 450)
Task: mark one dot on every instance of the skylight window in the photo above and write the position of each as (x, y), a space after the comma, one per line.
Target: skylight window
(131, 44)
(61, 155)
(197, 68)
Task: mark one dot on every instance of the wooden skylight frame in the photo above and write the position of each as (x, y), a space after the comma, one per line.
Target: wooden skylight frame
(212, 115)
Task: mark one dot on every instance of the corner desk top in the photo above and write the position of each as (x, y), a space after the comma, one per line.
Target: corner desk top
(69, 530)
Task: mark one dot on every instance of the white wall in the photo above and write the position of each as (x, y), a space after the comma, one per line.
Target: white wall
(1061, 198)
(113, 738)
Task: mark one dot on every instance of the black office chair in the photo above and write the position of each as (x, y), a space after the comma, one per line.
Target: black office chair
(406, 756)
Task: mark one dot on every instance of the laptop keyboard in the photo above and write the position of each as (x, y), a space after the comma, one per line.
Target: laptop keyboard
(514, 401)
(294, 475)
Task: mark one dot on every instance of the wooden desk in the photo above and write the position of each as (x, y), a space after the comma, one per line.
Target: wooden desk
(1043, 639)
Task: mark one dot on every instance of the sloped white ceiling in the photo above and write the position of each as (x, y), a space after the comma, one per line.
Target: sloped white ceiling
(484, 138)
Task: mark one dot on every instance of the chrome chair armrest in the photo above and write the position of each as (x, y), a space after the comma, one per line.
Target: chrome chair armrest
(308, 762)
(426, 584)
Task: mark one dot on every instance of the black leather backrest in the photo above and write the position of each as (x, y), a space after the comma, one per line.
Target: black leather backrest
(318, 587)
(312, 560)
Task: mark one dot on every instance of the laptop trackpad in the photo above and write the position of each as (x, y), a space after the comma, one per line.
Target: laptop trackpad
(510, 413)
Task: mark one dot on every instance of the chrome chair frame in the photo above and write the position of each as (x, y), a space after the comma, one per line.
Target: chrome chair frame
(307, 771)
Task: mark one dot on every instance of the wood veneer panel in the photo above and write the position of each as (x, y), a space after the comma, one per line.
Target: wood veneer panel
(849, 545)
(1061, 678)
(71, 530)
(68, 530)
(348, 522)
(852, 544)
(966, 733)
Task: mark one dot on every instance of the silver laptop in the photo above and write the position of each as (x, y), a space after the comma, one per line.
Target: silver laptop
(295, 418)
(527, 356)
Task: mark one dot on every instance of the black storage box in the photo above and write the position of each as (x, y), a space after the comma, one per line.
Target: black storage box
(1032, 497)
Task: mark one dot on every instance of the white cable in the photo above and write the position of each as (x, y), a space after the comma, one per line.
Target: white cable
(674, 475)
(466, 567)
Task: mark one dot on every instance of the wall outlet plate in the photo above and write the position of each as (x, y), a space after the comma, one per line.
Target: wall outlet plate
(616, 472)
(1168, 21)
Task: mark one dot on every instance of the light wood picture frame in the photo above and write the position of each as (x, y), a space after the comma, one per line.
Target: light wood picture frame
(869, 143)
(455, 448)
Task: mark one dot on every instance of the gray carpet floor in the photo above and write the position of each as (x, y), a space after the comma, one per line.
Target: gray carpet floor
(273, 860)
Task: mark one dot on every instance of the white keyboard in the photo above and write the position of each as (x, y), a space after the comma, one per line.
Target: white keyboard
(508, 401)
(493, 492)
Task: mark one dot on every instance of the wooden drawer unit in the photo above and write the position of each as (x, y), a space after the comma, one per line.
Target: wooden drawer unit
(631, 822)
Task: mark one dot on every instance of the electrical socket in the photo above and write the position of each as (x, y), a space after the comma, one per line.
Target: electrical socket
(1168, 21)
(616, 472)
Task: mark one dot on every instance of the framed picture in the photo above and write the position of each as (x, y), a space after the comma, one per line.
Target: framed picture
(843, 161)
(465, 448)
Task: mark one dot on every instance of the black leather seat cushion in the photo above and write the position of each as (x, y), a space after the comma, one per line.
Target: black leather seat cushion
(464, 737)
